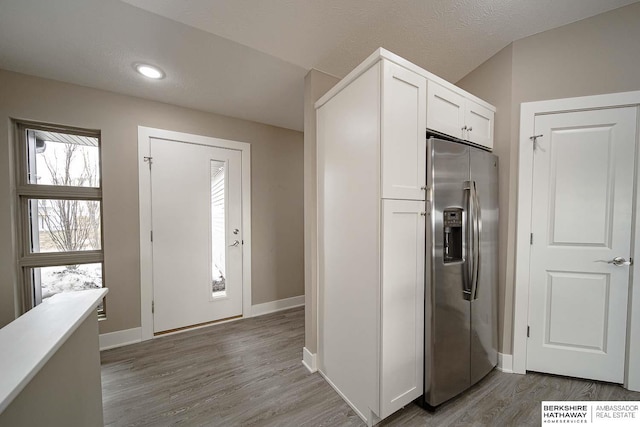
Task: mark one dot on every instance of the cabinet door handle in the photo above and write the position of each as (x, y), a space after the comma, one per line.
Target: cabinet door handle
(464, 127)
(469, 128)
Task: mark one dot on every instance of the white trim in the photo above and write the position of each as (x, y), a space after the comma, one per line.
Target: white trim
(277, 305)
(144, 185)
(358, 413)
(146, 259)
(505, 363)
(528, 111)
(120, 338)
(309, 360)
(609, 100)
(523, 250)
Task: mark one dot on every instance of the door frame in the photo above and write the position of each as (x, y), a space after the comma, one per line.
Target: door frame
(528, 113)
(144, 197)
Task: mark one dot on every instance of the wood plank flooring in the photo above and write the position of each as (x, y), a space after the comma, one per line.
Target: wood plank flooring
(249, 373)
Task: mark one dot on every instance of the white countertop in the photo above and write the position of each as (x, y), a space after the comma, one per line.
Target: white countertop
(28, 342)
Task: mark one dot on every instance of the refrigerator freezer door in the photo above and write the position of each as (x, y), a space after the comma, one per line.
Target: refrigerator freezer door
(447, 312)
(484, 318)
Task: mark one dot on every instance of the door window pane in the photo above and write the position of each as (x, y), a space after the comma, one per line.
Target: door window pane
(63, 225)
(62, 159)
(218, 227)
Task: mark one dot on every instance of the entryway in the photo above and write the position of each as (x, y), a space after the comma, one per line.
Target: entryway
(194, 197)
(576, 224)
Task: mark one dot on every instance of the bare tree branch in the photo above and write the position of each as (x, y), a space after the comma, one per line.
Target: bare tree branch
(72, 225)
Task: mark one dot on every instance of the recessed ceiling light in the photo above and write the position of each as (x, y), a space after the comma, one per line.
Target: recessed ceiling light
(149, 71)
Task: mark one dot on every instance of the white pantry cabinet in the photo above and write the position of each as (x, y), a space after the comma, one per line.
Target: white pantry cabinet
(371, 173)
(371, 162)
(453, 114)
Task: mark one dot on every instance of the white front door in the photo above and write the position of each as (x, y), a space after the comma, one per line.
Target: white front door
(583, 174)
(196, 216)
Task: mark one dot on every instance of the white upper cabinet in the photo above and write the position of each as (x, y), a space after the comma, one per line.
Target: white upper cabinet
(404, 145)
(445, 110)
(479, 122)
(453, 114)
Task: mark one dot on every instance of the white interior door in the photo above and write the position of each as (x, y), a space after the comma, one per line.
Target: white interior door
(196, 220)
(583, 176)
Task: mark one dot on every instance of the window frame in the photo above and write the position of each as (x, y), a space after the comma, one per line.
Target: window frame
(25, 191)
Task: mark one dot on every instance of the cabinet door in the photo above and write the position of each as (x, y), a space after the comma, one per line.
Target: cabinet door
(445, 110)
(402, 301)
(479, 121)
(404, 144)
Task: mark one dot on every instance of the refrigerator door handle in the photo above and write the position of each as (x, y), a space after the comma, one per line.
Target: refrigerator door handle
(476, 242)
(473, 234)
(470, 257)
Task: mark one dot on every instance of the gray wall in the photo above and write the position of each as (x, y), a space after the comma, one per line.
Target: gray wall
(316, 84)
(276, 180)
(589, 57)
(492, 82)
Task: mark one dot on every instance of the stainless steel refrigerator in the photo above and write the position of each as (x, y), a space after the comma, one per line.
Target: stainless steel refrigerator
(461, 269)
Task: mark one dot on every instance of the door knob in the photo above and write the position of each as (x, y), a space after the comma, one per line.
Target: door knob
(235, 243)
(619, 261)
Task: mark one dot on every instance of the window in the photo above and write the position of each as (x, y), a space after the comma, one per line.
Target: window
(218, 238)
(59, 194)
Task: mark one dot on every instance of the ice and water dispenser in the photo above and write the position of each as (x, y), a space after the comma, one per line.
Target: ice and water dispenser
(452, 223)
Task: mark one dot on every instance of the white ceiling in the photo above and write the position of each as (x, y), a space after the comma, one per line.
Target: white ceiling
(248, 58)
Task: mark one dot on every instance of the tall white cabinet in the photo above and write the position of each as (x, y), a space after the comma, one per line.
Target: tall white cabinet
(371, 161)
(371, 234)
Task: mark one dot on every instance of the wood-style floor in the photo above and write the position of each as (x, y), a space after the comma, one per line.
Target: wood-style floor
(249, 372)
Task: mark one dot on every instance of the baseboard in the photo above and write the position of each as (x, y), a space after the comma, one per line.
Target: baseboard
(505, 363)
(358, 413)
(278, 305)
(309, 360)
(120, 338)
(132, 336)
